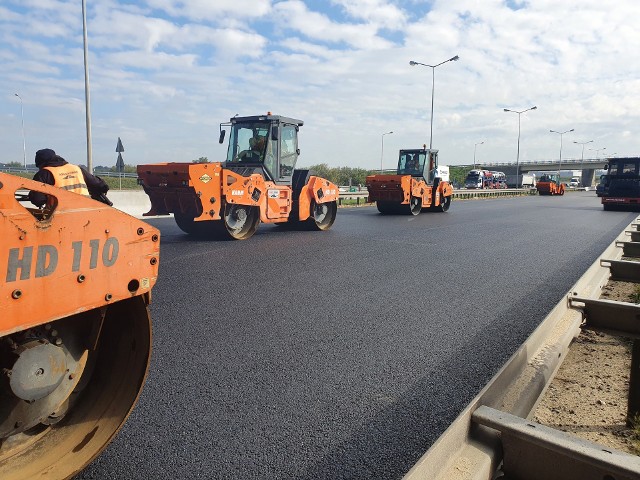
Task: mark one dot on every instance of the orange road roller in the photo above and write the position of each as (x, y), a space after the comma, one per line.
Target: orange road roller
(550, 184)
(257, 183)
(75, 330)
(414, 187)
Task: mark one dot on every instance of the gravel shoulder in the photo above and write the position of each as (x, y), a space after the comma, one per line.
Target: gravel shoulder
(588, 396)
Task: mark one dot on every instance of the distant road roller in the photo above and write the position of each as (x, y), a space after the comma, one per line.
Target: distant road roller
(550, 184)
(414, 187)
(256, 183)
(75, 330)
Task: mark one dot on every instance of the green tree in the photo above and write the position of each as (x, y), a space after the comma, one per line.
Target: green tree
(342, 175)
(201, 160)
(458, 174)
(322, 170)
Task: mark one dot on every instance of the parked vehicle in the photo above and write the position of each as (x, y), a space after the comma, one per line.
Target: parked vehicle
(257, 183)
(622, 188)
(499, 180)
(574, 182)
(442, 172)
(414, 187)
(525, 180)
(478, 179)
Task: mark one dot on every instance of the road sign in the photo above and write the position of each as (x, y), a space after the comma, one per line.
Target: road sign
(119, 147)
(120, 163)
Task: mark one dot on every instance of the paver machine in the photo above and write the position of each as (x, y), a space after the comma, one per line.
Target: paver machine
(258, 182)
(413, 188)
(75, 330)
(550, 184)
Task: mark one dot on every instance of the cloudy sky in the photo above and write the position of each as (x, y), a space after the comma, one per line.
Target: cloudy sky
(165, 73)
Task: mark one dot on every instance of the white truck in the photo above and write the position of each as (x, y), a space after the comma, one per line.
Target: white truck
(526, 180)
(442, 172)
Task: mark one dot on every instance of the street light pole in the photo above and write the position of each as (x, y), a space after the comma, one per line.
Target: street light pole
(433, 85)
(560, 162)
(519, 112)
(597, 150)
(24, 141)
(382, 149)
(474, 153)
(87, 100)
(582, 161)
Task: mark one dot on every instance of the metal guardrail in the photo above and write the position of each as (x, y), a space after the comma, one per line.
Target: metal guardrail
(492, 431)
(362, 196)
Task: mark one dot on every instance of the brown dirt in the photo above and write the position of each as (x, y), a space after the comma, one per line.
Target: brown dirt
(588, 396)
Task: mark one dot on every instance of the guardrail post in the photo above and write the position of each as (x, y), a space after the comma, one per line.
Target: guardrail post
(358, 201)
(633, 407)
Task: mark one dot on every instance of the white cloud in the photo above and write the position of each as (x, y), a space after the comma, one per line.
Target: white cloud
(217, 10)
(378, 12)
(165, 73)
(293, 14)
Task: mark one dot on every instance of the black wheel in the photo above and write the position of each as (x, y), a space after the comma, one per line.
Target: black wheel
(241, 221)
(445, 203)
(415, 205)
(323, 214)
(385, 207)
(185, 222)
(204, 229)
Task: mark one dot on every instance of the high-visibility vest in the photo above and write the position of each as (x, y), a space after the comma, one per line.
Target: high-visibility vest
(69, 177)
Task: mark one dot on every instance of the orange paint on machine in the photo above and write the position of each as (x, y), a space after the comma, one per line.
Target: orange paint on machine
(257, 183)
(75, 330)
(414, 187)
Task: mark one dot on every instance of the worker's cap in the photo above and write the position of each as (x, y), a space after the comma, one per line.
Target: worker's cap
(43, 156)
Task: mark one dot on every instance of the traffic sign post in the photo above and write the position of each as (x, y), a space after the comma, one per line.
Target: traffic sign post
(120, 161)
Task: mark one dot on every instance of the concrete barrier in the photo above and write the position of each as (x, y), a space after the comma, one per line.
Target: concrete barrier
(133, 202)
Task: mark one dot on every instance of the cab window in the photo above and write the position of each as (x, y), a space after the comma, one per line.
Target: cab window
(288, 150)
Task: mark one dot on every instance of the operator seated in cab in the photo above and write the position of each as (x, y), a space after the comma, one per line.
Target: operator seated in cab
(255, 153)
(411, 165)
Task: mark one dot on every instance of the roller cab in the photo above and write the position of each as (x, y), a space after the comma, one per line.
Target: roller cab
(75, 331)
(258, 182)
(413, 188)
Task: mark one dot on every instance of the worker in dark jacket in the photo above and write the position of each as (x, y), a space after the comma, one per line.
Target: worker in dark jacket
(55, 170)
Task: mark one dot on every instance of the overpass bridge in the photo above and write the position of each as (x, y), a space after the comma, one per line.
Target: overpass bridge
(588, 166)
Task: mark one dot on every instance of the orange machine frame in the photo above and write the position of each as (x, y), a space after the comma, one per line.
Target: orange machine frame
(209, 185)
(81, 255)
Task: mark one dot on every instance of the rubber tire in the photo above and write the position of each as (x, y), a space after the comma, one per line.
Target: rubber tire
(415, 206)
(444, 205)
(327, 221)
(251, 224)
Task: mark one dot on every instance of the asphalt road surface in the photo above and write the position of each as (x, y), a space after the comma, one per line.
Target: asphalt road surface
(347, 353)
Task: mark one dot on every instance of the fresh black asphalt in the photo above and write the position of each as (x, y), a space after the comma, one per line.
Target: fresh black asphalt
(346, 353)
